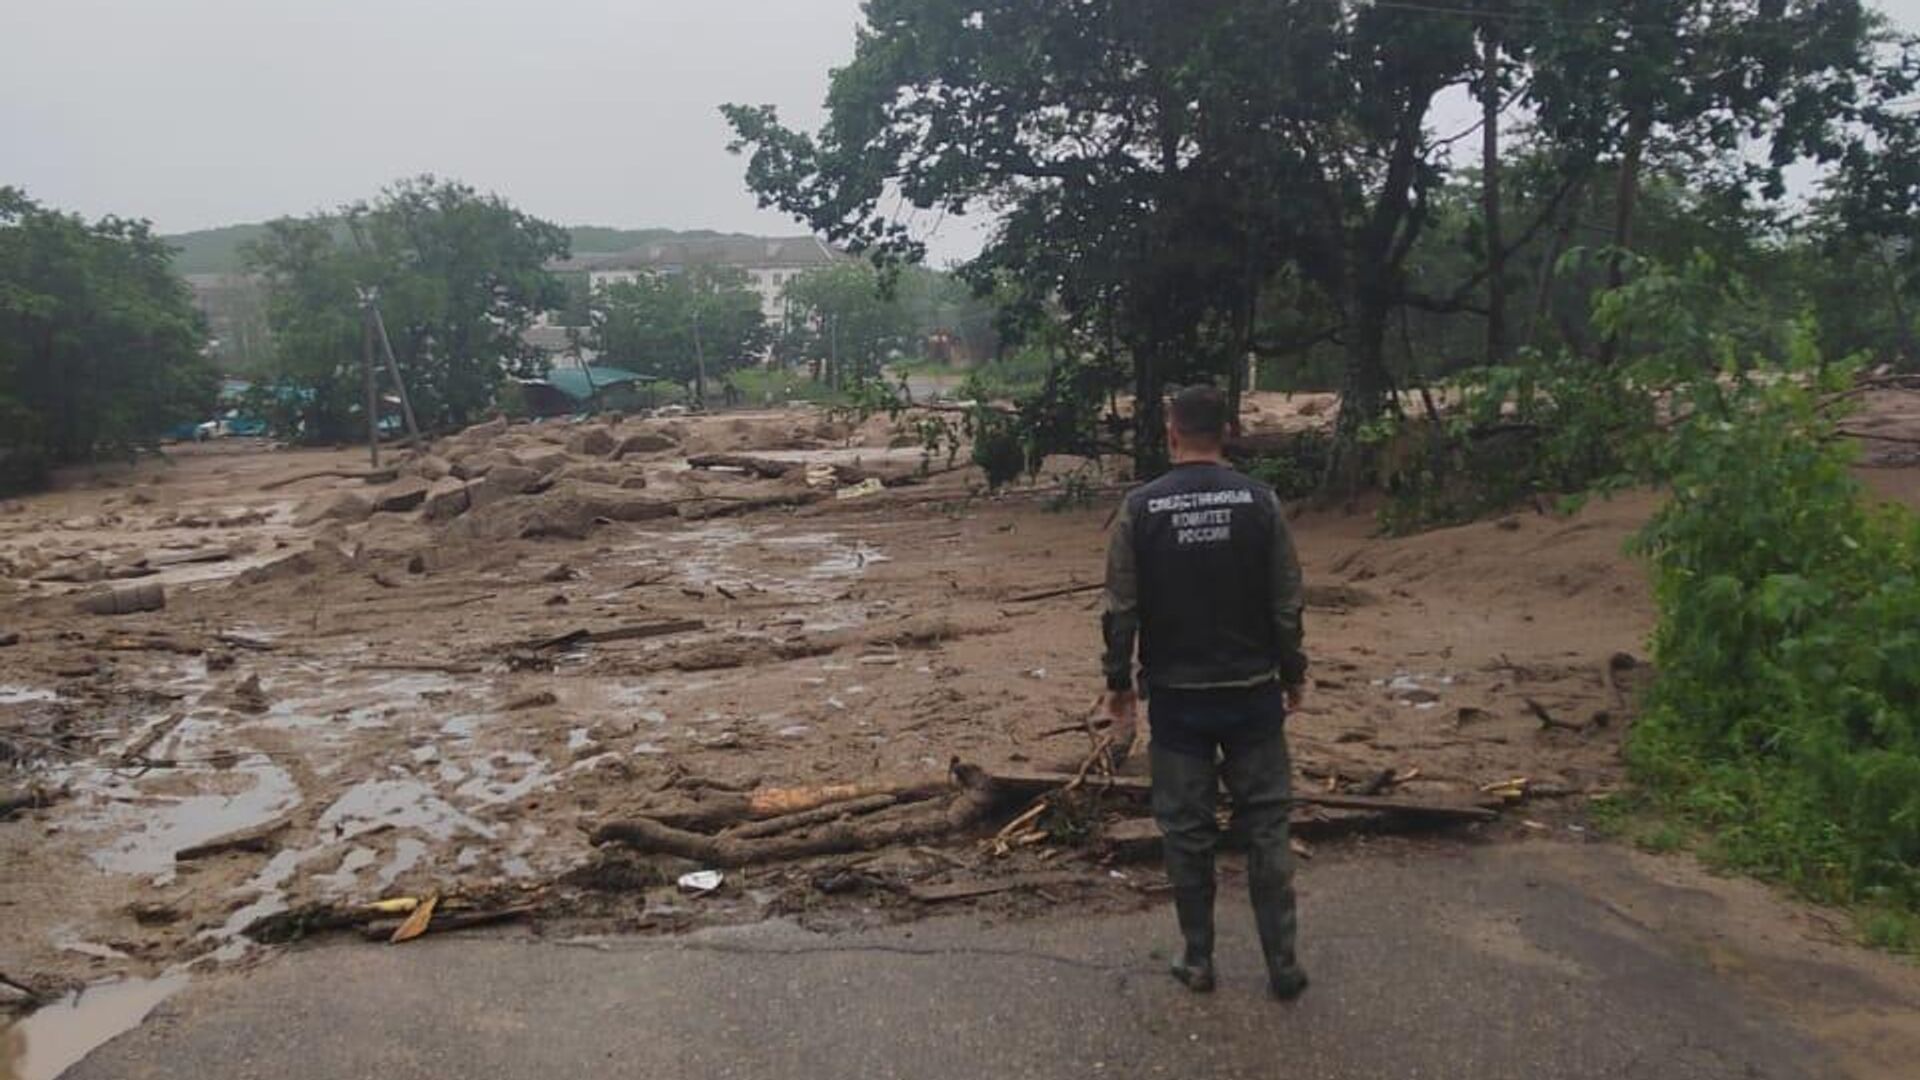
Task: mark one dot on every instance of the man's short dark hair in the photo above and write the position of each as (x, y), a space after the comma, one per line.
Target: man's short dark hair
(1200, 412)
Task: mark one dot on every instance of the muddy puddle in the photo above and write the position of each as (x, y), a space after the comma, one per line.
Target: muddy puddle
(55, 1038)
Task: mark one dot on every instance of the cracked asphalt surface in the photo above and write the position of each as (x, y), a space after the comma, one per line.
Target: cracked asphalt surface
(1434, 960)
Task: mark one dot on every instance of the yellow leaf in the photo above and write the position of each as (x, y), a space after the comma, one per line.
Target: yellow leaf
(416, 923)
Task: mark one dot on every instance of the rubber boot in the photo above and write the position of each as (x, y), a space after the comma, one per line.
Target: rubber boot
(1273, 916)
(1194, 910)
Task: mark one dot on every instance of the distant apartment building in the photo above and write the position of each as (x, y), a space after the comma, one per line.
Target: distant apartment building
(768, 262)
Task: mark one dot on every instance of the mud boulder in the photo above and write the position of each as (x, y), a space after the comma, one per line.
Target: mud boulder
(592, 440)
(644, 442)
(473, 465)
(502, 482)
(445, 501)
(592, 472)
(483, 433)
(404, 494)
(546, 462)
(344, 506)
(567, 510)
(428, 467)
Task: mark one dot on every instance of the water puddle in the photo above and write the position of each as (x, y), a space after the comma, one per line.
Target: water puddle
(55, 1038)
(152, 827)
(25, 695)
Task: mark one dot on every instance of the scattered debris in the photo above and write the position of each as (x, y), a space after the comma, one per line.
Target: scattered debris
(416, 923)
(700, 882)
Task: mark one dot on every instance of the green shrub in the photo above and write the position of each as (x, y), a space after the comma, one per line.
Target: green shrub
(1296, 469)
(1787, 712)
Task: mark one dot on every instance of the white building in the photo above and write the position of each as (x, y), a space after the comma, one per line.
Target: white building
(768, 262)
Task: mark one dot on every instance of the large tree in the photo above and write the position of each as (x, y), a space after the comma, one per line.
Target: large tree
(1161, 170)
(846, 319)
(458, 276)
(100, 346)
(1154, 164)
(686, 327)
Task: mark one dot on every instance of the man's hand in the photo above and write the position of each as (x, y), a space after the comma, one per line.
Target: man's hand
(1122, 707)
(1296, 696)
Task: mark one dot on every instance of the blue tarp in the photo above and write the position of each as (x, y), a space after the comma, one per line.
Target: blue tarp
(573, 381)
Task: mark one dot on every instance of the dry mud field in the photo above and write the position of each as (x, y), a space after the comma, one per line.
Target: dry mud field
(442, 684)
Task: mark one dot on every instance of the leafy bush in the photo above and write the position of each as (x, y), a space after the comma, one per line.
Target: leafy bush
(1788, 646)
(1296, 469)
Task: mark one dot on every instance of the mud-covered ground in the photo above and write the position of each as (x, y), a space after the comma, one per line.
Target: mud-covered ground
(379, 702)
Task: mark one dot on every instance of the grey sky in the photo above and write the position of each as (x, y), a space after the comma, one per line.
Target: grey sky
(207, 112)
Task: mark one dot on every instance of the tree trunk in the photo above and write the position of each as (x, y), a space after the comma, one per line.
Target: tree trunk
(1490, 202)
(1549, 267)
(1625, 195)
(1149, 413)
(1363, 393)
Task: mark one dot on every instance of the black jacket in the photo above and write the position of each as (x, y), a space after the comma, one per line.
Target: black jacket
(1202, 570)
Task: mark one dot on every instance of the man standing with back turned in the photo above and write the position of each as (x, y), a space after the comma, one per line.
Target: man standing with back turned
(1201, 570)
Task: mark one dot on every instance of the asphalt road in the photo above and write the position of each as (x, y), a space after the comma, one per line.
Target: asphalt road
(1473, 962)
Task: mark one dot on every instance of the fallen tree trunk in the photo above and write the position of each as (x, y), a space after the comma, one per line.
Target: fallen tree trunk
(805, 819)
(722, 810)
(968, 807)
(1040, 783)
(764, 468)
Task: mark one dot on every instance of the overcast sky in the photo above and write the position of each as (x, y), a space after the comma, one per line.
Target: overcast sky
(207, 112)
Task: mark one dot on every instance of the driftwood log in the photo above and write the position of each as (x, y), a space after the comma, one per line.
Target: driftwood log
(965, 808)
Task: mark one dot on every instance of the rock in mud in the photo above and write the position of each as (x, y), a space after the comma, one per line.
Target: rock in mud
(402, 495)
(428, 467)
(445, 501)
(483, 433)
(248, 696)
(592, 441)
(565, 510)
(474, 465)
(593, 472)
(320, 557)
(501, 482)
(344, 506)
(547, 462)
(645, 442)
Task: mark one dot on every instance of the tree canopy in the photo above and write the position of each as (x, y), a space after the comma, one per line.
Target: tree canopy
(687, 327)
(100, 346)
(1165, 174)
(458, 276)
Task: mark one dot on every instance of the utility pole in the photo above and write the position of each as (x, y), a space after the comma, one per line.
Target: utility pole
(366, 382)
(393, 370)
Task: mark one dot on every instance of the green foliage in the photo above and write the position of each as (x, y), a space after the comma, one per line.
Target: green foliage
(1788, 646)
(99, 341)
(847, 320)
(690, 327)
(458, 275)
(1561, 427)
(1295, 471)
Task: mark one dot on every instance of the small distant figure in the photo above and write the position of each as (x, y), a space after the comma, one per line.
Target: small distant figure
(729, 393)
(1203, 576)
